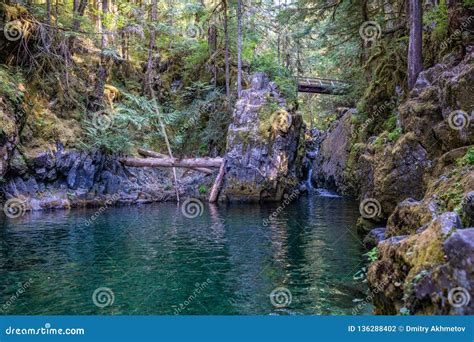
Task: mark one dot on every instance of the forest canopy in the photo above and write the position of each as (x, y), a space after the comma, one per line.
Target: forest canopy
(82, 57)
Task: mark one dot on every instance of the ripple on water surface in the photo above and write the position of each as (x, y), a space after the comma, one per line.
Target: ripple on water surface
(153, 260)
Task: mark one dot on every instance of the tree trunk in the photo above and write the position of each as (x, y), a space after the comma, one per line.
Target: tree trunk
(227, 67)
(279, 36)
(79, 10)
(415, 58)
(148, 78)
(363, 47)
(239, 47)
(98, 97)
(96, 15)
(299, 66)
(153, 154)
(217, 184)
(172, 162)
(48, 12)
(79, 7)
(212, 42)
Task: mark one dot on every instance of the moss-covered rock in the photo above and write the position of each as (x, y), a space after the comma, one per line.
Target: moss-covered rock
(409, 216)
(438, 93)
(420, 170)
(12, 115)
(264, 146)
(406, 259)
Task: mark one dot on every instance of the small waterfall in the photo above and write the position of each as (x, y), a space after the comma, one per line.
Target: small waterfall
(325, 193)
(308, 183)
(312, 150)
(317, 191)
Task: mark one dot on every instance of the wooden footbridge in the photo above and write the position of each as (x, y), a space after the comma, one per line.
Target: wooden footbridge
(322, 86)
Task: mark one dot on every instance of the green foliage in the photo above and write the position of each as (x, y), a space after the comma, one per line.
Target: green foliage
(467, 159)
(388, 62)
(378, 142)
(395, 134)
(323, 121)
(112, 140)
(10, 79)
(386, 137)
(391, 123)
(451, 200)
(192, 120)
(198, 54)
(282, 77)
(266, 115)
(200, 119)
(437, 17)
(372, 255)
(265, 112)
(287, 86)
(135, 120)
(468, 3)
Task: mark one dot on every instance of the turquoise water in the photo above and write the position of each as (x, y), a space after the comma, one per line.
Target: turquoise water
(154, 260)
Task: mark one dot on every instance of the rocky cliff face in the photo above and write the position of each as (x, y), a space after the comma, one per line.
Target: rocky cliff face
(422, 183)
(431, 271)
(436, 125)
(332, 157)
(263, 163)
(12, 119)
(69, 178)
(265, 146)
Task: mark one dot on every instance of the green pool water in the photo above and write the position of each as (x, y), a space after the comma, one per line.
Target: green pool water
(153, 260)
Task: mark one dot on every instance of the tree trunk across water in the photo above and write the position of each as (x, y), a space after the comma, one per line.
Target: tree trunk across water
(153, 154)
(172, 162)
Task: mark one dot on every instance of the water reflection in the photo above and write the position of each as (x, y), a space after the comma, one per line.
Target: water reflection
(153, 258)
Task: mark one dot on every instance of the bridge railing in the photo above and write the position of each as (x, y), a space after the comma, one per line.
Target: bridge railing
(310, 80)
(321, 85)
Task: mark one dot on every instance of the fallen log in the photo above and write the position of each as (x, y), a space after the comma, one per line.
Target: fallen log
(153, 154)
(172, 162)
(217, 184)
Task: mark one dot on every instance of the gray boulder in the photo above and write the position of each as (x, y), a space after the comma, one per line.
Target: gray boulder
(264, 146)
